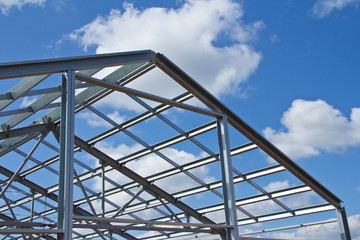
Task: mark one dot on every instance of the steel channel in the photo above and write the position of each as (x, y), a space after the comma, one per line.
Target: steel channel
(58, 65)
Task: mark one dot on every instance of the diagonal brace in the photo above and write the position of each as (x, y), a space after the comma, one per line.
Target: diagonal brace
(23, 164)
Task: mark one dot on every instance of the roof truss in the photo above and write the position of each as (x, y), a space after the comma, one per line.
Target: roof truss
(81, 199)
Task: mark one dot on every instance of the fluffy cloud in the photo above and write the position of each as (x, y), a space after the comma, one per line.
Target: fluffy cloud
(323, 8)
(192, 36)
(274, 186)
(26, 101)
(314, 126)
(94, 120)
(325, 231)
(6, 5)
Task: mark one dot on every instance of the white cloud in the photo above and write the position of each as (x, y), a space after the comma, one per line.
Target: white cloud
(94, 120)
(191, 36)
(26, 101)
(6, 5)
(323, 8)
(323, 232)
(269, 206)
(274, 38)
(314, 126)
(274, 186)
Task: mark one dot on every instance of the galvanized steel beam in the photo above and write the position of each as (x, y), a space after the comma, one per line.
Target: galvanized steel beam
(147, 222)
(343, 224)
(66, 165)
(26, 130)
(20, 89)
(227, 179)
(58, 65)
(145, 95)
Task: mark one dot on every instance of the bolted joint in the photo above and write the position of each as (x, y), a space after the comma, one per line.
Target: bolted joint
(6, 129)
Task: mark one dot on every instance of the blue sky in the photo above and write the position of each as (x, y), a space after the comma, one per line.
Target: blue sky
(288, 68)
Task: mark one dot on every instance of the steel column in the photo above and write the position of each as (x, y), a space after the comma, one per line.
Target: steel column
(65, 213)
(102, 188)
(343, 224)
(227, 179)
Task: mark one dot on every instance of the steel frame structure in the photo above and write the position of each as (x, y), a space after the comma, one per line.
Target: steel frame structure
(71, 207)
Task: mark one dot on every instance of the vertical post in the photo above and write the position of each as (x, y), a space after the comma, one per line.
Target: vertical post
(343, 224)
(227, 178)
(32, 205)
(65, 205)
(102, 188)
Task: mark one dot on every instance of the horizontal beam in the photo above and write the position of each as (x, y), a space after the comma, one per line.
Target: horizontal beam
(24, 224)
(142, 228)
(26, 130)
(118, 220)
(289, 227)
(30, 231)
(20, 90)
(285, 214)
(141, 94)
(57, 65)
